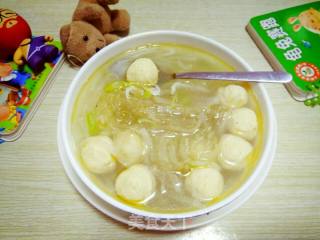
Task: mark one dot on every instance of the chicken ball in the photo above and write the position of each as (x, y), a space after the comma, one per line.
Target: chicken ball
(135, 184)
(129, 147)
(234, 151)
(204, 183)
(243, 122)
(97, 154)
(143, 70)
(233, 96)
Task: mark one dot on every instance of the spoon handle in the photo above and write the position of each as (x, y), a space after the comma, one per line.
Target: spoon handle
(268, 77)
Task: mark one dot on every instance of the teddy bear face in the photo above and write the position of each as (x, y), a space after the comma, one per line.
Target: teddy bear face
(81, 40)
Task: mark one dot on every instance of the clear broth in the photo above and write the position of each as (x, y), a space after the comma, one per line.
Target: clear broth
(169, 58)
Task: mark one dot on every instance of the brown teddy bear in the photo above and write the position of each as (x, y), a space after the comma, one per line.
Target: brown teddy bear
(94, 26)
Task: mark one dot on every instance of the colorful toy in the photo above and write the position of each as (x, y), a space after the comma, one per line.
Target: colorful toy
(309, 19)
(19, 98)
(19, 89)
(4, 112)
(5, 70)
(27, 65)
(16, 79)
(94, 26)
(35, 52)
(13, 30)
(16, 41)
(10, 116)
(12, 78)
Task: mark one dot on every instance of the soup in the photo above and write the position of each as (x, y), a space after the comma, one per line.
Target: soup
(165, 145)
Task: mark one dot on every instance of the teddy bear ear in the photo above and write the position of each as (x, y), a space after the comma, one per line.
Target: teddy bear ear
(64, 34)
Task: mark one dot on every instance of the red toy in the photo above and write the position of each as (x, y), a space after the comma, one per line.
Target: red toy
(13, 30)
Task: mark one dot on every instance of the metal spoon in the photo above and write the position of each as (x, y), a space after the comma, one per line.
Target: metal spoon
(266, 77)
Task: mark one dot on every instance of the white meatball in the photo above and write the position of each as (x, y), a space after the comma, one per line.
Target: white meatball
(204, 183)
(143, 70)
(97, 154)
(233, 96)
(129, 147)
(243, 122)
(233, 152)
(136, 183)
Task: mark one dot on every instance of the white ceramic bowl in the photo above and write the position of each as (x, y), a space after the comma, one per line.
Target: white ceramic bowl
(119, 210)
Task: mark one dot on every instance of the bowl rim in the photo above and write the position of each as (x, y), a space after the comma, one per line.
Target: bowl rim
(69, 101)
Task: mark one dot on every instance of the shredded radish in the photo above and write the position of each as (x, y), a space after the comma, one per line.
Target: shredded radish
(129, 90)
(155, 90)
(177, 85)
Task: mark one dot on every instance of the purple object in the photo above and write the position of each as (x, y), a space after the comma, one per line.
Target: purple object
(39, 53)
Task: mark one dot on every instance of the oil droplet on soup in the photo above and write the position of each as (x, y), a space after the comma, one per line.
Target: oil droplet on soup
(175, 145)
